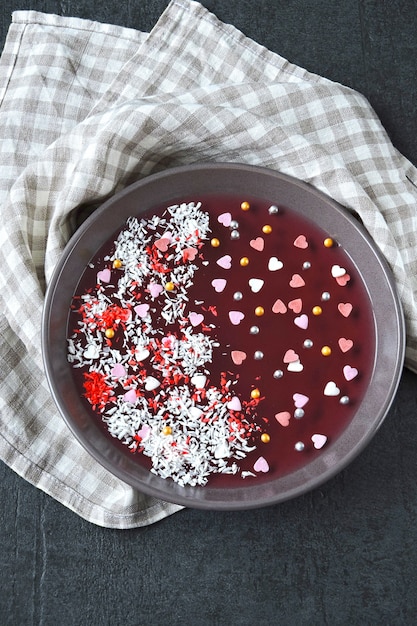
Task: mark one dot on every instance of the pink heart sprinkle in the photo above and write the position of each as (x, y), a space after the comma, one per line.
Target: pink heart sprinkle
(225, 262)
(155, 290)
(261, 465)
(144, 432)
(104, 276)
(350, 372)
(301, 242)
(297, 281)
(195, 318)
(283, 418)
(300, 400)
(219, 284)
(162, 244)
(225, 219)
(189, 254)
(236, 317)
(345, 308)
(279, 307)
(142, 309)
(318, 440)
(345, 344)
(301, 321)
(130, 396)
(118, 371)
(238, 356)
(295, 305)
(257, 244)
(234, 404)
(343, 280)
(290, 356)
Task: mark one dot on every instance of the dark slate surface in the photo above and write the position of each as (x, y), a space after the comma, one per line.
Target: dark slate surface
(344, 554)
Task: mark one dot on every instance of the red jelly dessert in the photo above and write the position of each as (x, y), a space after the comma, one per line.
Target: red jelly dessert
(222, 339)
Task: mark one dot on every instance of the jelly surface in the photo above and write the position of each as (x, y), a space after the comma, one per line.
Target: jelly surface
(291, 320)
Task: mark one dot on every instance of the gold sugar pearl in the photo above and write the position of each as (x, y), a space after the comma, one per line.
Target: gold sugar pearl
(267, 229)
(259, 311)
(245, 206)
(117, 264)
(169, 286)
(265, 438)
(167, 430)
(244, 261)
(255, 394)
(215, 243)
(326, 351)
(317, 310)
(328, 242)
(109, 333)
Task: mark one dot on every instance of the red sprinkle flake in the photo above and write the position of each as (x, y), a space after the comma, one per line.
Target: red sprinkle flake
(97, 391)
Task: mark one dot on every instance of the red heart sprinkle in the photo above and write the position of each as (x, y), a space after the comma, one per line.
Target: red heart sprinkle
(301, 242)
(257, 244)
(345, 308)
(279, 307)
(343, 280)
(283, 418)
(297, 281)
(345, 344)
(290, 356)
(162, 244)
(238, 356)
(295, 305)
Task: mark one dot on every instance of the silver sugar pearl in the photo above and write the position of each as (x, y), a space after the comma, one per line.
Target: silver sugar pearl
(258, 355)
(254, 330)
(234, 224)
(325, 296)
(273, 209)
(298, 413)
(344, 400)
(238, 295)
(308, 343)
(299, 446)
(278, 374)
(234, 234)
(306, 265)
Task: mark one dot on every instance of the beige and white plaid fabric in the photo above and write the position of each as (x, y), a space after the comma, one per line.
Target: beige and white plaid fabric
(86, 109)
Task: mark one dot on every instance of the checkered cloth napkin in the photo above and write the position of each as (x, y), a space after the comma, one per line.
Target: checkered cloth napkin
(86, 109)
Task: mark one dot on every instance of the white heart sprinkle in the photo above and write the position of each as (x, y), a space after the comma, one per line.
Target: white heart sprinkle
(222, 451)
(199, 381)
(338, 271)
(92, 352)
(331, 389)
(234, 404)
(275, 264)
(141, 355)
(151, 383)
(195, 412)
(295, 366)
(256, 284)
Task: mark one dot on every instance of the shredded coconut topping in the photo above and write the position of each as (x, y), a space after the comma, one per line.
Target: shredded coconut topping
(145, 366)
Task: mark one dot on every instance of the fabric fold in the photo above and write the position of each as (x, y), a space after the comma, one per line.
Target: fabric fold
(83, 126)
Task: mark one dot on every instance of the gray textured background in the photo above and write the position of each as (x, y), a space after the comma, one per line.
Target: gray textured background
(344, 554)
